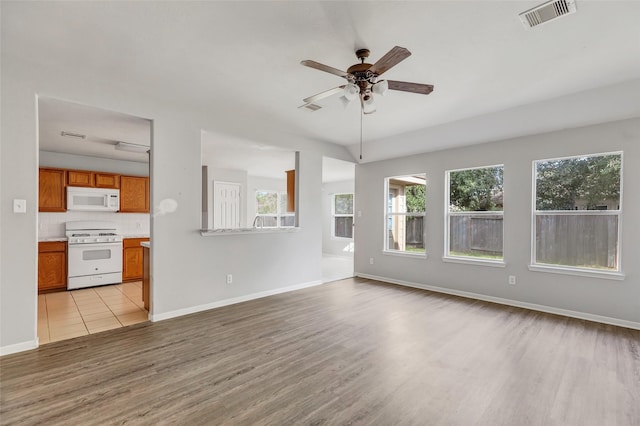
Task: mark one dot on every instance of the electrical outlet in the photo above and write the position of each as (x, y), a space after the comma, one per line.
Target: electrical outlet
(371, 261)
(229, 278)
(512, 279)
(359, 213)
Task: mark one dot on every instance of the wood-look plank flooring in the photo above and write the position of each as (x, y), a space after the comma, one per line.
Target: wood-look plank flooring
(349, 352)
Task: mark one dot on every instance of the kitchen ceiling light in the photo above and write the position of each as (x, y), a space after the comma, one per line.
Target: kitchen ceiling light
(131, 147)
(72, 135)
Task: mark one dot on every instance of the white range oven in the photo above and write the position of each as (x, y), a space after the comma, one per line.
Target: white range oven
(94, 254)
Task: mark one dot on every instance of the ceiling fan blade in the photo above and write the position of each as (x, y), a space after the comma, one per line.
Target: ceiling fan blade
(423, 89)
(392, 58)
(325, 68)
(323, 95)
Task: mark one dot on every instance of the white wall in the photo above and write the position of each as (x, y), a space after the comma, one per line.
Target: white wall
(188, 270)
(331, 245)
(83, 162)
(619, 300)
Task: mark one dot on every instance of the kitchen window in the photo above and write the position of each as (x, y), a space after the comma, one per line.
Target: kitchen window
(405, 207)
(577, 207)
(271, 210)
(342, 215)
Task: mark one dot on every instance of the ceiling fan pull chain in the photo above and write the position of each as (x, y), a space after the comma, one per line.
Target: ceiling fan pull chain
(361, 115)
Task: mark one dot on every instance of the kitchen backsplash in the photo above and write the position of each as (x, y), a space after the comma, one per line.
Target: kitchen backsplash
(51, 225)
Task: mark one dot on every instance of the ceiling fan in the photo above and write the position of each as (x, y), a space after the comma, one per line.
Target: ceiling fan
(363, 80)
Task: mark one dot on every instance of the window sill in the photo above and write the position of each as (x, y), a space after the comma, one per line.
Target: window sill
(242, 231)
(404, 254)
(341, 238)
(474, 261)
(619, 276)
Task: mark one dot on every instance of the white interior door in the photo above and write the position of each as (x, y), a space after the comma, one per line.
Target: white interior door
(226, 205)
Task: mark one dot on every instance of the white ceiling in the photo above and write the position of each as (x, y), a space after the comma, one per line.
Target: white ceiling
(241, 61)
(101, 129)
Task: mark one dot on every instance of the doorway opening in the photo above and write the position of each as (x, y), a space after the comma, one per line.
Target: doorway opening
(338, 204)
(90, 259)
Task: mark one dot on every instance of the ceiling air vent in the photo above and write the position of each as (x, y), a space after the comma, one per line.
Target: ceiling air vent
(310, 107)
(547, 12)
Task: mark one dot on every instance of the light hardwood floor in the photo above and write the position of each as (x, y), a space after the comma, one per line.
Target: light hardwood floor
(348, 352)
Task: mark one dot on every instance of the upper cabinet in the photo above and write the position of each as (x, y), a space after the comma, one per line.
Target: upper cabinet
(51, 194)
(291, 190)
(134, 190)
(134, 194)
(79, 178)
(93, 179)
(106, 180)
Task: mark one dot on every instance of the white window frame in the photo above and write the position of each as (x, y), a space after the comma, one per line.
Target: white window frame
(279, 214)
(387, 215)
(447, 257)
(334, 215)
(574, 270)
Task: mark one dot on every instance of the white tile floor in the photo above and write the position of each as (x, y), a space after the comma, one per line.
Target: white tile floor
(74, 313)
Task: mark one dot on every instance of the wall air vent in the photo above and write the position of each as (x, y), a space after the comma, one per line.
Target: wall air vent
(547, 12)
(310, 107)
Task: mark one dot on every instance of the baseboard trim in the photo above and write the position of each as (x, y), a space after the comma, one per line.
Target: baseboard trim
(231, 301)
(532, 306)
(18, 347)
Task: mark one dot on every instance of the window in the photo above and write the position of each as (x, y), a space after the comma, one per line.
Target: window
(405, 199)
(271, 210)
(577, 207)
(342, 213)
(474, 214)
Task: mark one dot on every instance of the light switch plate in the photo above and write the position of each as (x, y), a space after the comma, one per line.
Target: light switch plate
(19, 206)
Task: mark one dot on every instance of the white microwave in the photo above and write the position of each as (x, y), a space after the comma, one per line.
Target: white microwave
(93, 199)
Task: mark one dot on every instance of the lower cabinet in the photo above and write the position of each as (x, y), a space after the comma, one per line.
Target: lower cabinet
(132, 259)
(52, 265)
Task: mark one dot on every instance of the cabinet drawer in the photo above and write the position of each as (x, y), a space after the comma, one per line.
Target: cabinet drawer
(51, 246)
(133, 242)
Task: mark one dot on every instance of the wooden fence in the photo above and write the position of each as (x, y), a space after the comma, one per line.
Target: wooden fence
(577, 240)
(476, 235)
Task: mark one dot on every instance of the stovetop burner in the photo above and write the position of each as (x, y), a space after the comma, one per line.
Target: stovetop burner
(92, 232)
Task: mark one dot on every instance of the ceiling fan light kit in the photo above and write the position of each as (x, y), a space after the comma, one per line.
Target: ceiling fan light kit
(364, 78)
(363, 81)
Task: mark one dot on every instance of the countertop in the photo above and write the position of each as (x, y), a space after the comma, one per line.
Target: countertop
(146, 244)
(47, 239)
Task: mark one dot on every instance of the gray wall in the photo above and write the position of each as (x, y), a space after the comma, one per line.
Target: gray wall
(593, 296)
(188, 270)
(331, 245)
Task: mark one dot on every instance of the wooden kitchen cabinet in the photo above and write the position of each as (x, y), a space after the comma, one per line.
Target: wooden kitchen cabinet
(291, 190)
(132, 259)
(134, 194)
(51, 190)
(106, 180)
(93, 179)
(80, 178)
(52, 265)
